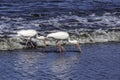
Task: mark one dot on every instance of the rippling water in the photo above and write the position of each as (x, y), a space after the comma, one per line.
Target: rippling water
(97, 62)
(49, 15)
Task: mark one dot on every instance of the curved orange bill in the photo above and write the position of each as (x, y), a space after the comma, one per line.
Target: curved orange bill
(44, 41)
(78, 45)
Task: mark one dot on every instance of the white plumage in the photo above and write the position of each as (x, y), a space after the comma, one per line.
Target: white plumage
(63, 36)
(58, 35)
(27, 33)
(30, 33)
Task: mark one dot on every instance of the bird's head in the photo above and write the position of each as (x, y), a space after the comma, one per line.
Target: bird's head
(49, 37)
(42, 38)
(18, 35)
(73, 42)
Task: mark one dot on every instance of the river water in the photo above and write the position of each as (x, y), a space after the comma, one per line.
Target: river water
(49, 15)
(100, 18)
(96, 62)
(96, 20)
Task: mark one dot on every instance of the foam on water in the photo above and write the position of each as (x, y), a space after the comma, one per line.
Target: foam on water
(63, 22)
(85, 20)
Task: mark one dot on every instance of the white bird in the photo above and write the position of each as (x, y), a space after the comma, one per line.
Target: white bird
(60, 36)
(30, 33)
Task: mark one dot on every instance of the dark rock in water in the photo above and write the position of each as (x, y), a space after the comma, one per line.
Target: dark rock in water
(94, 19)
(116, 30)
(36, 15)
(69, 21)
(116, 13)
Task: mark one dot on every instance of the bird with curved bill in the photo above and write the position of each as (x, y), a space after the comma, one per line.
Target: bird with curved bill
(29, 34)
(60, 37)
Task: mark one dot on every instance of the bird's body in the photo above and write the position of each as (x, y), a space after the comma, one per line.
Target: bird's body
(30, 33)
(58, 35)
(27, 33)
(63, 36)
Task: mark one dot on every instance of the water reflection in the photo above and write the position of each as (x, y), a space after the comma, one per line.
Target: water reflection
(30, 64)
(98, 62)
(26, 64)
(64, 63)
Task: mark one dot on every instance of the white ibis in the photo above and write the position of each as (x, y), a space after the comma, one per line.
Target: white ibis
(30, 33)
(60, 36)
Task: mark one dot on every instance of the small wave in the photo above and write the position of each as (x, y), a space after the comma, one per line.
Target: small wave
(63, 22)
(84, 36)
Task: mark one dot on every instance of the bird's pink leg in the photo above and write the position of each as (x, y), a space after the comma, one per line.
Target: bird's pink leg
(63, 49)
(78, 45)
(32, 44)
(44, 41)
(27, 43)
(60, 49)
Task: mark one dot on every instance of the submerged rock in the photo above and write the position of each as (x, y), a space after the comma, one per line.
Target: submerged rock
(35, 15)
(95, 19)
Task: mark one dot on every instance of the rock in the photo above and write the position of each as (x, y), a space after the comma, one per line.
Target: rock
(94, 19)
(36, 15)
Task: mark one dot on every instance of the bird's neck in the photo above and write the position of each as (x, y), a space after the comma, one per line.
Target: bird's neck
(37, 36)
(72, 41)
(40, 37)
(69, 40)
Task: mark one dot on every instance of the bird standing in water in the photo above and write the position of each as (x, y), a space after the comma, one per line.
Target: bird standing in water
(60, 36)
(29, 34)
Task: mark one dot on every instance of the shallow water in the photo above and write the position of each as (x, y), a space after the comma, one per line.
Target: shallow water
(97, 62)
